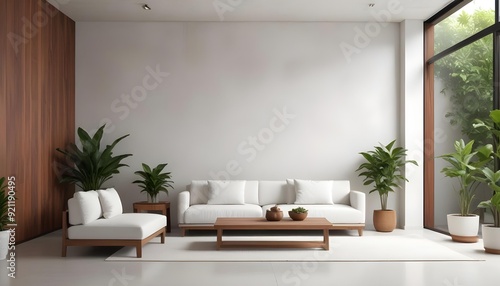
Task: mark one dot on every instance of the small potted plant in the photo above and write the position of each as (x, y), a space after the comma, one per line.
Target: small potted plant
(465, 165)
(4, 219)
(154, 181)
(298, 213)
(383, 169)
(274, 214)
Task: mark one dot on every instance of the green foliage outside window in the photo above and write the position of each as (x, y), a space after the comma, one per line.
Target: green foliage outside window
(467, 74)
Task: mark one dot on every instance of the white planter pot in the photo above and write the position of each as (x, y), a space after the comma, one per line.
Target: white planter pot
(491, 238)
(463, 228)
(4, 244)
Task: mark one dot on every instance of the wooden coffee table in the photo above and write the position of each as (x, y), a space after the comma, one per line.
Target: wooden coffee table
(323, 224)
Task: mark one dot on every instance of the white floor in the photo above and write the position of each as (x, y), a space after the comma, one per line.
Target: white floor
(38, 262)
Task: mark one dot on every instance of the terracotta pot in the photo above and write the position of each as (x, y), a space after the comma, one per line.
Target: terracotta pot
(384, 220)
(463, 228)
(274, 215)
(297, 216)
(491, 239)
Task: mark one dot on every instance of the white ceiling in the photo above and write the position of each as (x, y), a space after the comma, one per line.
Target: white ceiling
(248, 10)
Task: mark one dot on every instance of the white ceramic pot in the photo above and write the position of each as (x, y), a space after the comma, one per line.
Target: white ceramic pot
(4, 244)
(491, 238)
(463, 228)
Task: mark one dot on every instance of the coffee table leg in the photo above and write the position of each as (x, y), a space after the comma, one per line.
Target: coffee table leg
(219, 238)
(326, 239)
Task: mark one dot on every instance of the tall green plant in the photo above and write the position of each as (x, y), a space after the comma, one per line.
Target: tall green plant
(465, 165)
(4, 205)
(383, 169)
(90, 167)
(467, 74)
(153, 180)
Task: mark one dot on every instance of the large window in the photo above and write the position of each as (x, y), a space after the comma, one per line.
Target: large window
(460, 88)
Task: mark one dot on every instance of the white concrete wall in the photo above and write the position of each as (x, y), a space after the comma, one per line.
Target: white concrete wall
(263, 101)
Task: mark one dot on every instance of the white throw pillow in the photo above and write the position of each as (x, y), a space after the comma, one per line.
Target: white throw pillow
(291, 191)
(198, 192)
(313, 192)
(226, 192)
(74, 212)
(110, 202)
(89, 204)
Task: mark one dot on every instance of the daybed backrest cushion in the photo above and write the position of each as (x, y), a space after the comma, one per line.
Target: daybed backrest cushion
(273, 192)
(74, 212)
(90, 208)
(110, 202)
(200, 192)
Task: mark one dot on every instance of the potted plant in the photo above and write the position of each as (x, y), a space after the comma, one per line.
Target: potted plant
(383, 169)
(4, 219)
(491, 232)
(298, 213)
(90, 167)
(465, 165)
(153, 181)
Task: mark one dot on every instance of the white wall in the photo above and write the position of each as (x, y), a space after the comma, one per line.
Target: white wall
(226, 82)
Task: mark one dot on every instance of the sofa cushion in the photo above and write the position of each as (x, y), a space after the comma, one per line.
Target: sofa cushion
(124, 226)
(273, 192)
(110, 202)
(226, 192)
(74, 212)
(209, 213)
(198, 192)
(336, 213)
(313, 192)
(340, 192)
(90, 206)
(252, 192)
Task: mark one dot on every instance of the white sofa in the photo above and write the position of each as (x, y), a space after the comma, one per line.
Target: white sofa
(95, 218)
(202, 203)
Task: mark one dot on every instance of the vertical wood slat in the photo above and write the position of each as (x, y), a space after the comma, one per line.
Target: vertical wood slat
(37, 86)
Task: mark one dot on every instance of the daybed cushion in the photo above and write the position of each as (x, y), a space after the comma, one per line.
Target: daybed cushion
(124, 226)
(313, 192)
(226, 192)
(75, 212)
(90, 208)
(110, 203)
(209, 213)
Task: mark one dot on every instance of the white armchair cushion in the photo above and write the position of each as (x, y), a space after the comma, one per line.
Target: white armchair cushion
(90, 208)
(110, 202)
(74, 212)
(313, 192)
(226, 192)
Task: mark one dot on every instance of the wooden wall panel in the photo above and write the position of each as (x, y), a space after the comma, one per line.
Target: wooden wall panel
(39, 108)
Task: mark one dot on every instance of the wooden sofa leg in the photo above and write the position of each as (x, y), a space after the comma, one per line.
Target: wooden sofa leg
(163, 237)
(64, 247)
(360, 231)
